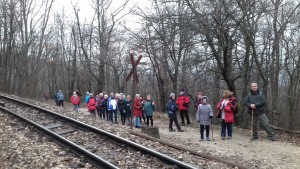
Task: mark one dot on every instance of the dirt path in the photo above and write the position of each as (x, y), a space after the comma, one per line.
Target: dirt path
(262, 153)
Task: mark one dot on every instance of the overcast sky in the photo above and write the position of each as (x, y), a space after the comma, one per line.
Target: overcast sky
(86, 10)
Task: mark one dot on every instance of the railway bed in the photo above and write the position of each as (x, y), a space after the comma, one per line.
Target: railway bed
(115, 153)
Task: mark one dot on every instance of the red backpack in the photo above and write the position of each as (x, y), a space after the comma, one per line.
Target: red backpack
(92, 103)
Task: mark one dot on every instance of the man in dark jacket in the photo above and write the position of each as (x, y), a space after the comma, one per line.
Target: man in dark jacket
(255, 101)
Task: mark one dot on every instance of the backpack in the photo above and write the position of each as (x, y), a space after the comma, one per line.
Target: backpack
(92, 102)
(235, 109)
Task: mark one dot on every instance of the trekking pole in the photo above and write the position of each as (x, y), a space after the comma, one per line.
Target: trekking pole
(212, 131)
(251, 125)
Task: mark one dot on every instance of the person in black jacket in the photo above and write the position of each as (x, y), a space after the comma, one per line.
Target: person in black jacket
(121, 106)
(255, 101)
(128, 107)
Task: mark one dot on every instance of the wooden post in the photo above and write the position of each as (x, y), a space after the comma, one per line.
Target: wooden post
(133, 72)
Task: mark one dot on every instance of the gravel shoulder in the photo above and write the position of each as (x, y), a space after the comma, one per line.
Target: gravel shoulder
(262, 153)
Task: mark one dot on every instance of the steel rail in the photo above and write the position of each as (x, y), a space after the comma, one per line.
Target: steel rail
(210, 157)
(162, 157)
(76, 149)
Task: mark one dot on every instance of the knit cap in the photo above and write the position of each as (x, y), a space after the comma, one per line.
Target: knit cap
(172, 94)
(204, 97)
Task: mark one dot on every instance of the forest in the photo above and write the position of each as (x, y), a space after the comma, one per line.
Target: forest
(195, 45)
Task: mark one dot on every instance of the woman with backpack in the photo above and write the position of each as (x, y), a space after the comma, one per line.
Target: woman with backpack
(226, 111)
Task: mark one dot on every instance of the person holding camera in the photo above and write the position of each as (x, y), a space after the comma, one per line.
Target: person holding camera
(226, 109)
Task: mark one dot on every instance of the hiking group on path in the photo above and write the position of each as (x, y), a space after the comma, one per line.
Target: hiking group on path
(117, 104)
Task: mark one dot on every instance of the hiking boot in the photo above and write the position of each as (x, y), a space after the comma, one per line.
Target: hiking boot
(180, 130)
(188, 124)
(273, 138)
(254, 138)
(208, 139)
(229, 137)
(171, 130)
(222, 138)
(201, 139)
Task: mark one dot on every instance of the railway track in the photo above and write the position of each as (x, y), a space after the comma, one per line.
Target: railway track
(100, 148)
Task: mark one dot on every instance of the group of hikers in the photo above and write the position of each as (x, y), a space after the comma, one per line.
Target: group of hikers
(107, 107)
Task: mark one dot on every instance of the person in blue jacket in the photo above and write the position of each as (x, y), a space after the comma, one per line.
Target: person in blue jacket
(60, 98)
(172, 109)
(87, 97)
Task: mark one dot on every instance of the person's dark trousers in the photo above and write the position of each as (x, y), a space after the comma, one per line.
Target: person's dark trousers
(128, 117)
(107, 114)
(102, 113)
(202, 127)
(143, 116)
(263, 119)
(111, 115)
(123, 116)
(61, 103)
(57, 102)
(227, 126)
(176, 123)
(93, 112)
(98, 112)
(151, 119)
(184, 113)
(114, 112)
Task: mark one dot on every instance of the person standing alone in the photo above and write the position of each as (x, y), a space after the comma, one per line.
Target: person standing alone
(255, 101)
(60, 98)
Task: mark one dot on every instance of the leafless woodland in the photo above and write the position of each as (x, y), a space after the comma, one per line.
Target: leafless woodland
(196, 45)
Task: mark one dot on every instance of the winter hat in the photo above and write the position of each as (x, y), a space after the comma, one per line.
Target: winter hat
(204, 97)
(91, 94)
(172, 94)
(74, 93)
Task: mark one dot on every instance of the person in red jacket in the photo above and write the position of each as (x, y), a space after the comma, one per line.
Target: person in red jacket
(75, 101)
(137, 111)
(226, 109)
(183, 103)
(92, 104)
